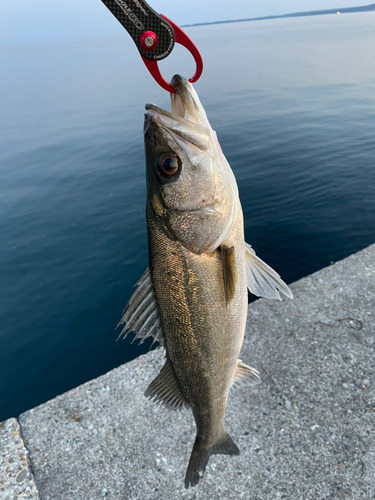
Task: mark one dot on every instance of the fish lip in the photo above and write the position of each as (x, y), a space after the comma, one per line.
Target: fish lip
(206, 208)
(161, 111)
(192, 132)
(153, 110)
(178, 81)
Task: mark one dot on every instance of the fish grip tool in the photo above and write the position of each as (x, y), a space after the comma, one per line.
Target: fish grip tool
(154, 35)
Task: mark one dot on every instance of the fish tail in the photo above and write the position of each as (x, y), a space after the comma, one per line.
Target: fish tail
(200, 456)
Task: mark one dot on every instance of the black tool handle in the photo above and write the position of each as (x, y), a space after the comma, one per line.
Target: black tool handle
(137, 17)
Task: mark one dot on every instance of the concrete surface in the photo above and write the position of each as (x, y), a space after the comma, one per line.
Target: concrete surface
(16, 479)
(307, 432)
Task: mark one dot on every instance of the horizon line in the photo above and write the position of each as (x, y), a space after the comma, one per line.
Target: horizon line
(345, 10)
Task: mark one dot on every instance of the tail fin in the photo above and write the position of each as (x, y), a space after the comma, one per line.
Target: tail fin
(200, 456)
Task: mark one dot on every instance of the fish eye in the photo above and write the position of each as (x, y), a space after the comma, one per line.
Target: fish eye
(168, 165)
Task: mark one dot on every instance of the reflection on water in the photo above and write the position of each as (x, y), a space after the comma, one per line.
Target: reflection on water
(293, 103)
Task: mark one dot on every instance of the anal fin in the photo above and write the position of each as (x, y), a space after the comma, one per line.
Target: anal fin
(164, 388)
(245, 375)
(230, 274)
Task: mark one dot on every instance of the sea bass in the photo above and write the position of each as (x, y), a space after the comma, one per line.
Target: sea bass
(193, 296)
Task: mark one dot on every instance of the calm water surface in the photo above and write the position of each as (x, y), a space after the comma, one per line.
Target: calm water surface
(293, 103)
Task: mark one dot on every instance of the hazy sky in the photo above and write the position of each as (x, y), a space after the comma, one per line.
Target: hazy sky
(28, 21)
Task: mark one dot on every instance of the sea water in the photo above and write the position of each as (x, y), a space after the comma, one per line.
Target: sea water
(293, 104)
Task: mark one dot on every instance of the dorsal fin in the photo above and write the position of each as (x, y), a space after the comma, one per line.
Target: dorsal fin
(230, 275)
(261, 279)
(141, 314)
(245, 375)
(164, 388)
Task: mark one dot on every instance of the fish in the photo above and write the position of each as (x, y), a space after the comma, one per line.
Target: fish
(192, 298)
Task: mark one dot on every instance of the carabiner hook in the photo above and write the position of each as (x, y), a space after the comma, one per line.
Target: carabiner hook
(154, 36)
(181, 38)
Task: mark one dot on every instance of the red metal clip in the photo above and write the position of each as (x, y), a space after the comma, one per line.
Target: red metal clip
(181, 38)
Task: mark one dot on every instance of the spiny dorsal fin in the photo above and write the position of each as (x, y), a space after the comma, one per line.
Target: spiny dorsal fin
(230, 275)
(261, 279)
(164, 388)
(245, 375)
(141, 314)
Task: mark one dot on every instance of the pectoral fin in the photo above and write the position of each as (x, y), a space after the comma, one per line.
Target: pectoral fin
(141, 314)
(262, 280)
(230, 274)
(164, 388)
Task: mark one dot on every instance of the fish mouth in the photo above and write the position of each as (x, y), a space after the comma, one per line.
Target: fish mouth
(205, 208)
(192, 137)
(187, 120)
(152, 109)
(180, 101)
(185, 102)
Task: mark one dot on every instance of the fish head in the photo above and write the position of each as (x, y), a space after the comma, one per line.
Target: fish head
(191, 189)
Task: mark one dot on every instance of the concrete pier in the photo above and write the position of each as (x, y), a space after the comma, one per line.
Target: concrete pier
(307, 432)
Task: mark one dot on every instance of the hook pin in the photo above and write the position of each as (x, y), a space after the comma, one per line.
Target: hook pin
(181, 38)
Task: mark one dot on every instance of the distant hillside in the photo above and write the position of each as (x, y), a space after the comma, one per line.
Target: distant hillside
(346, 10)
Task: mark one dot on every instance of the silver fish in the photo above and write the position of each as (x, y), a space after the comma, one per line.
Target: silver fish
(193, 296)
